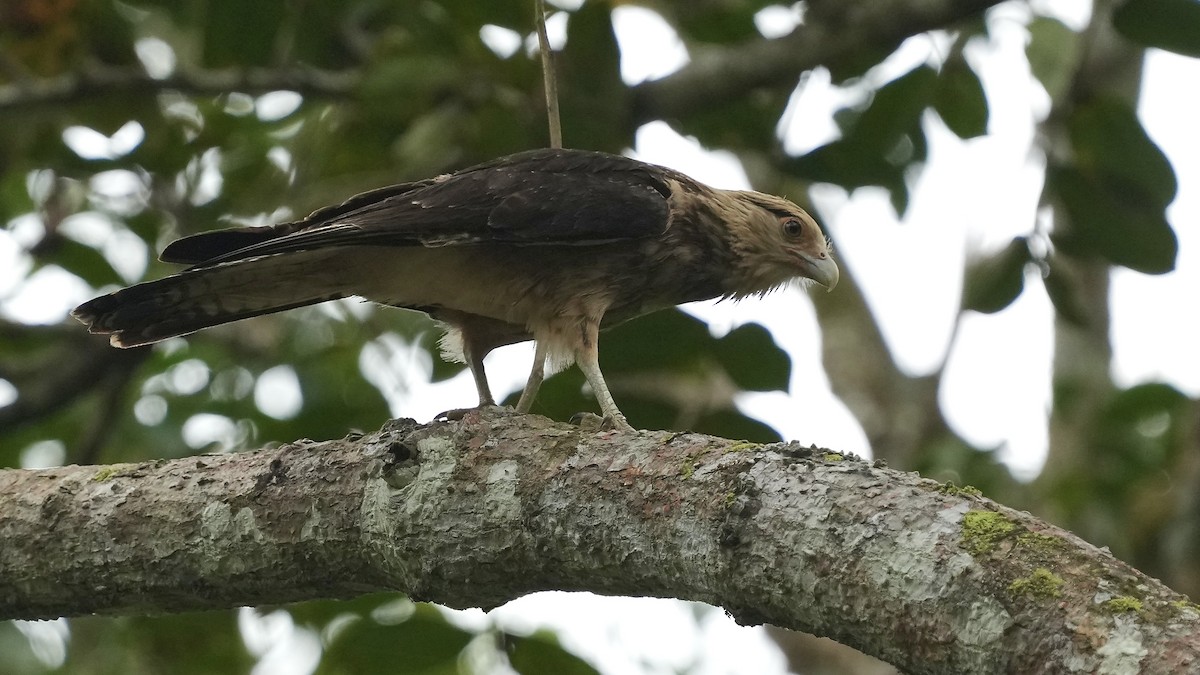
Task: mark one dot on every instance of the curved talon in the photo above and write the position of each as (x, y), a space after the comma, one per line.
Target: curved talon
(593, 422)
(453, 415)
(616, 423)
(587, 421)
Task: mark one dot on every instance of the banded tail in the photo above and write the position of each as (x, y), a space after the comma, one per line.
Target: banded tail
(202, 297)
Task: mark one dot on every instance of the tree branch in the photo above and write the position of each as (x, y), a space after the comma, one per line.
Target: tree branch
(480, 511)
(49, 382)
(98, 80)
(838, 32)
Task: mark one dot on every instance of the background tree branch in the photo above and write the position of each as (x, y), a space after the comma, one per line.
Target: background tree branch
(477, 512)
(833, 33)
(104, 80)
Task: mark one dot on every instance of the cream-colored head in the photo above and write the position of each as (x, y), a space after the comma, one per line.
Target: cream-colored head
(775, 241)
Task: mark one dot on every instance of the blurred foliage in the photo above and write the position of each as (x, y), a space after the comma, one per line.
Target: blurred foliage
(1173, 25)
(1117, 190)
(1053, 51)
(993, 282)
(663, 386)
(427, 94)
(541, 653)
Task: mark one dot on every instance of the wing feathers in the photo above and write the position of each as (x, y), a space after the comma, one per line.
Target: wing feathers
(534, 198)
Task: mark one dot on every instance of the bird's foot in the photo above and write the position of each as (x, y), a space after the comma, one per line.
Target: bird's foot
(587, 421)
(453, 415)
(456, 414)
(593, 422)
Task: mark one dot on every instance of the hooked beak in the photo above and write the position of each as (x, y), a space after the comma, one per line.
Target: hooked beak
(821, 270)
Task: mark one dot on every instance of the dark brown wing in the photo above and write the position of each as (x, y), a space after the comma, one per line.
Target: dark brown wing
(539, 197)
(206, 246)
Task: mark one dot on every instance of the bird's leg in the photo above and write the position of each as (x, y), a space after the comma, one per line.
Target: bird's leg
(474, 358)
(535, 377)
(588, 357)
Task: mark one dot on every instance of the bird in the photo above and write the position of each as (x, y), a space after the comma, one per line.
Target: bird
(551, 245)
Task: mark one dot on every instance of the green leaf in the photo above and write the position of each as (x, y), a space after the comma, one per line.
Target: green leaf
(1143, 427)
(752, 359)
(994, 282)
(1111, 145)
(18, 652)
(898, 193)
(715, 22)
(667, 340)
(593, 98)
(1173, 25)
(852, 64)
(319, 613)
(1125, 233)
(14, 194)
(514, 15)
(844, 163)
(895, 110)
(84, 261)
(210, 641)
(879, 143)
(745, 123)
(1146, 400)
(430, 142)
(1052, 52)
(313, 41)
(110, 35)
(733, 424)
(426, 643)
(561, 396)
(960, 100)
(240, 33)
(146, 225)
(1117, 191)
(541, 653)
(409, 84)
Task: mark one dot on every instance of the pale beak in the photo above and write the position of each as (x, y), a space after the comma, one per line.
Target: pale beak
(821, 270)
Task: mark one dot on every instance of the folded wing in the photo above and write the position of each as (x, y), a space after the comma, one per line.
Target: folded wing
(532, 198)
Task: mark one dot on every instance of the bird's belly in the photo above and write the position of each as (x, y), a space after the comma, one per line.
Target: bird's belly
(517, 285)
(536, 287)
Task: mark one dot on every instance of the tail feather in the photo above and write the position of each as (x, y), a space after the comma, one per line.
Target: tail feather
(205, 297)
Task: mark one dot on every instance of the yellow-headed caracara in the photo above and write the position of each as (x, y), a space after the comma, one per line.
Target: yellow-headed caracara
(548, 245)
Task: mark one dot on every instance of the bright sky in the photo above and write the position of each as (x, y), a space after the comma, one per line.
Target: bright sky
(972, 196)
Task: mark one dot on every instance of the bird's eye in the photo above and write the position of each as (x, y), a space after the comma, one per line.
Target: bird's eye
(792, 227)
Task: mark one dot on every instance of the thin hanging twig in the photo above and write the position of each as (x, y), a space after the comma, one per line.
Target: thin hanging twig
(548, 78)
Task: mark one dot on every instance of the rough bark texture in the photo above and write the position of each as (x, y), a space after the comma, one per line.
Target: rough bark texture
(479, 511)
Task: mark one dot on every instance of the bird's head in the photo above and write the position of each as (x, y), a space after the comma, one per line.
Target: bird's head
(776, 242)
